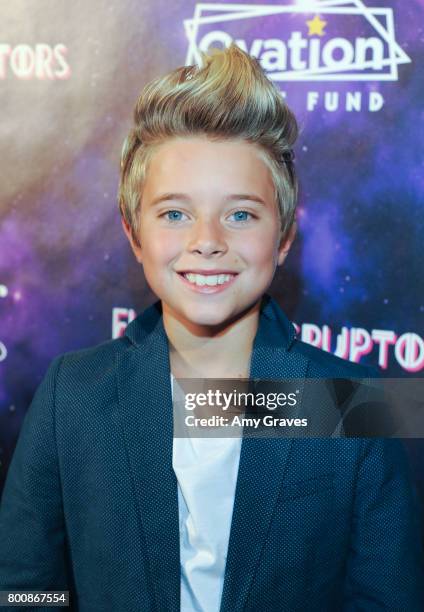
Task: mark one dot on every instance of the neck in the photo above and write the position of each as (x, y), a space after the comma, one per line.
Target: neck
(211, 352)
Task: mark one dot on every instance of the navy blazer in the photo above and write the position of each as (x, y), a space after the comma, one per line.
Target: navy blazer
(90, 503)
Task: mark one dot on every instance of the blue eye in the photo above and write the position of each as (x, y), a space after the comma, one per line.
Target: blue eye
(173, 215)
(241, 215)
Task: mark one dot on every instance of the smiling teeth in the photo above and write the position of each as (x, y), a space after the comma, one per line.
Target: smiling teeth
(210, 280)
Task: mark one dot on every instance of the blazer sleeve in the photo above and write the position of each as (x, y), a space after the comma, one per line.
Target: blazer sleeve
(385, 564)
(32, 530)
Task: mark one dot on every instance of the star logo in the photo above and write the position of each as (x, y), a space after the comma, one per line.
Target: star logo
(316, 26)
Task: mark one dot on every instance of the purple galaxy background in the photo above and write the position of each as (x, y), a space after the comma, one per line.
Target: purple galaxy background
(63, 256)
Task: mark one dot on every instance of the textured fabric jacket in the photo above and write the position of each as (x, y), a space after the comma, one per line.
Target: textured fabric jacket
(90, 501)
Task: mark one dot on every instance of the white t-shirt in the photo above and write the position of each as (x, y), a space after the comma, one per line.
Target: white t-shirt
(206, 470)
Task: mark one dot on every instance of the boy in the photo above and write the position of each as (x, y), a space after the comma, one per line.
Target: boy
(102, 501)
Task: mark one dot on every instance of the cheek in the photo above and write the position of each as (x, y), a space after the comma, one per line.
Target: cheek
(161, 246)
(259, 251)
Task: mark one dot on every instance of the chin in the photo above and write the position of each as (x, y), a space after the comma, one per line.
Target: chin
(213, 319)
(208, 316)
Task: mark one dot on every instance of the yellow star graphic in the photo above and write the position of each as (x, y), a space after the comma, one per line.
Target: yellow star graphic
(316, 26)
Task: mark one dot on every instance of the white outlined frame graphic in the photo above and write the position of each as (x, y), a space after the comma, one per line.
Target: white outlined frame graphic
(222, 12)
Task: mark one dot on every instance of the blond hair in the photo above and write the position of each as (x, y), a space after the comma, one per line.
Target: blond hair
(228, 96)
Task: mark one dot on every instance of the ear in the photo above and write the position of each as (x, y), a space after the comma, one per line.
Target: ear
(135, 246)
(286, 243)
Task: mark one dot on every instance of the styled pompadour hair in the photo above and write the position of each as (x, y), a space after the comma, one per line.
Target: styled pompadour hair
(228, 97)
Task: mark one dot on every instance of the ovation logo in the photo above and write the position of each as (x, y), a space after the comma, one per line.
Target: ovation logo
(303, 41)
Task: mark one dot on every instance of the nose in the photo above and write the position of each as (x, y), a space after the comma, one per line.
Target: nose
(206, 238)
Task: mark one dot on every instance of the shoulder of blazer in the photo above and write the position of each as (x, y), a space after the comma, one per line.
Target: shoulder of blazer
(82, 368)
(323, 363)
(101, 358)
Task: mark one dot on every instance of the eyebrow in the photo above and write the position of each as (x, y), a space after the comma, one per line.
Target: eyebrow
(182, 197)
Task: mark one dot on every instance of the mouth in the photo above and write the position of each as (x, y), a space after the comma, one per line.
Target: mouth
(208, 281)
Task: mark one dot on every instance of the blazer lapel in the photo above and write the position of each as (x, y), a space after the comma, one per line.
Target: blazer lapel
(262, 461)
(145, 399)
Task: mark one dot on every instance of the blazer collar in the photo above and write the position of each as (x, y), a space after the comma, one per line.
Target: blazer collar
(145, 400)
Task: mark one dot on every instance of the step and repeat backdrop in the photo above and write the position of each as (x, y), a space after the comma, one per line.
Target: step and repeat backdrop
(69, 77)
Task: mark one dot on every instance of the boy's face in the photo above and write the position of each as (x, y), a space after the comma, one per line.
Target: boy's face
(208, 207)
